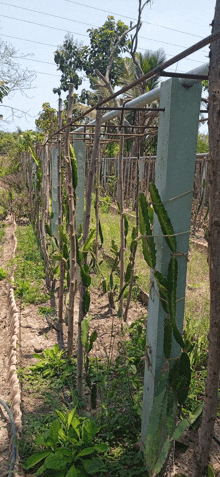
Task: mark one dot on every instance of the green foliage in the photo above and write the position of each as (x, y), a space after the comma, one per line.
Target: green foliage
(72, 58)
(70, 448)
(202, 143)
(148, 245)
(47, 118)
(2, 231)
(3, 273)
(163, 217)
(29, 273)
(74, 167)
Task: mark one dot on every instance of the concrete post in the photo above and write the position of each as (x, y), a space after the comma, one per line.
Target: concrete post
(80, 153)
(175, 164)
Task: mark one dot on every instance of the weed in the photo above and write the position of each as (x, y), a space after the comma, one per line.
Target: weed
(69, 446)
(3, 273)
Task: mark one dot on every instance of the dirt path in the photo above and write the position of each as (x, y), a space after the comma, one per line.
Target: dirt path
(5, 256)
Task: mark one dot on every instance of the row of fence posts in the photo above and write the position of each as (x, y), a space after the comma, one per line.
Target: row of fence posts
(40, 211)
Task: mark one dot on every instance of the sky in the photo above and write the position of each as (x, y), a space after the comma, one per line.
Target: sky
(38, 27)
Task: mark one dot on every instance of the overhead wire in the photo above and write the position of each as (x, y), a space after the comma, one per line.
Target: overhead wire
(87, 24)
(129, 18)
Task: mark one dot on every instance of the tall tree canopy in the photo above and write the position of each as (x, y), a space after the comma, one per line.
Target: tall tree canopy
(72, 58)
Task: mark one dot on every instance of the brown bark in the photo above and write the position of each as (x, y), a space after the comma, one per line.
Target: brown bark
(70, 191)
(62, 270)
(122, 228)
(212, 380)
(92, 174)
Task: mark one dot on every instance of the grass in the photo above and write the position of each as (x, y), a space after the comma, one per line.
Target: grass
(2, 230)
(29, 273)
(111, 231)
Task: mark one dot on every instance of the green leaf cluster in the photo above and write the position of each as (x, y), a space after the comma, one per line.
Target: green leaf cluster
(68, 448)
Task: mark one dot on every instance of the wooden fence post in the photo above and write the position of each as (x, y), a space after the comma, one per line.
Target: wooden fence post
(55, 192)
(80, 153)
(176, 154)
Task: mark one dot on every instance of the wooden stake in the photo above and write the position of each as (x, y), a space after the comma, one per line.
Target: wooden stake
(70, 191)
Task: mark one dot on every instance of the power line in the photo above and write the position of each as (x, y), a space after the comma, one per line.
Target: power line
(124, 16)
(31, 41)
(40, 24)
(47, 14)
(76, 33)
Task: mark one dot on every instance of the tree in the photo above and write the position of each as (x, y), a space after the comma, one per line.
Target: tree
(13, 78)
(46, 119)
(70, 59)
(213, 368)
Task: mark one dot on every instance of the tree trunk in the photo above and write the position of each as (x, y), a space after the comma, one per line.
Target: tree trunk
(212, 380)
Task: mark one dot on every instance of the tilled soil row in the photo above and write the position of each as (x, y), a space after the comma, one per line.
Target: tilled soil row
(9, 330)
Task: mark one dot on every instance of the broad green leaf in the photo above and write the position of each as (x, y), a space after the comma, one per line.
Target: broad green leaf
(35, 458)
(54, 432)
(40, 470)
(37, 356)
(70, 417)
(75, 423)
(55, 462)
(89, 431)
(165, 222)
(86, 451)
(86, 302)
(61, 416)
(92, 466)
(101, 447)
(89, 240)
(72, 472)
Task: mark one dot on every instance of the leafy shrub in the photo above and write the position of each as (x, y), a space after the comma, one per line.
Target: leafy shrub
(68, 448)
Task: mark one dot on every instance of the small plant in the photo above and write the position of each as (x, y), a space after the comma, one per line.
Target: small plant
(3, 273)
(68, 448)
(51, 363)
